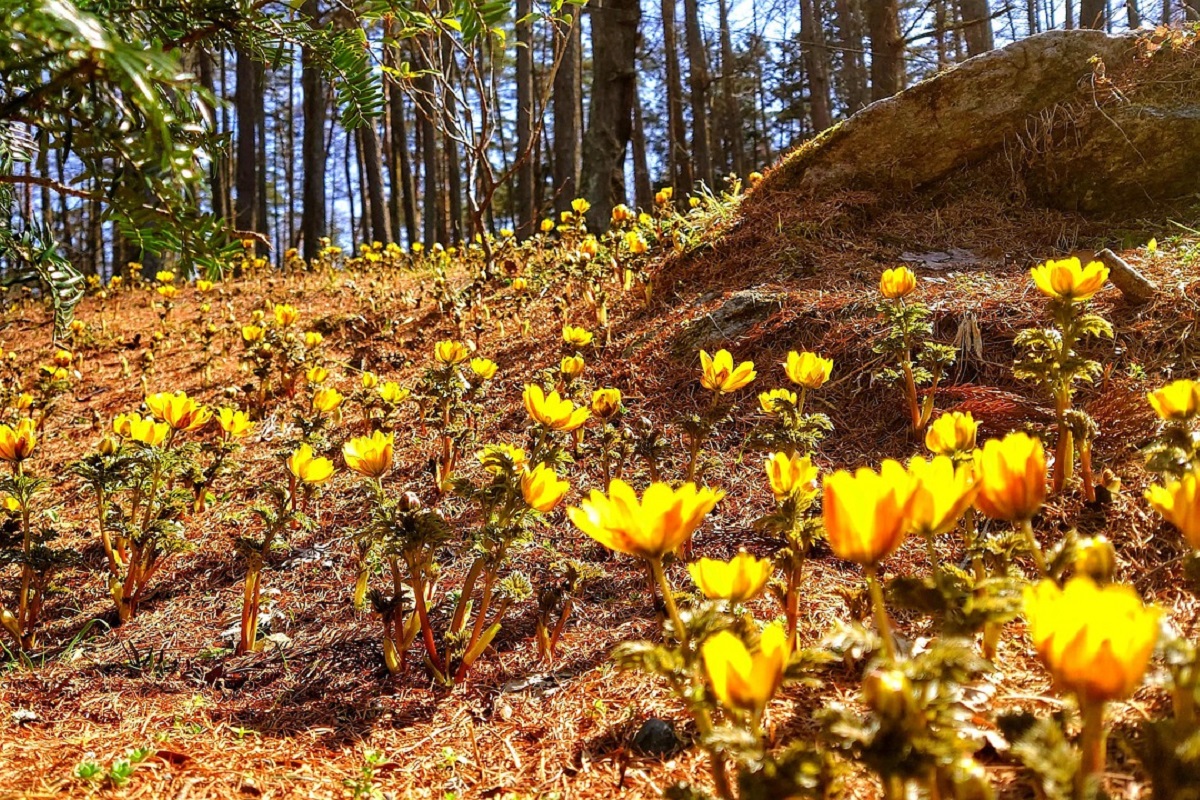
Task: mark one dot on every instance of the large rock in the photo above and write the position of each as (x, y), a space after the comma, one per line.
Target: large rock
(1050, 108)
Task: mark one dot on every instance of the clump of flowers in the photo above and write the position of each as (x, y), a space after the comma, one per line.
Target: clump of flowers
(1175, 451)
(448, 392)
(1049, 355)
(792, 430)
(721, 378)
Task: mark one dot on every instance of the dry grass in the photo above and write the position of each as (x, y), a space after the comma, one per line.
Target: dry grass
(297, 722)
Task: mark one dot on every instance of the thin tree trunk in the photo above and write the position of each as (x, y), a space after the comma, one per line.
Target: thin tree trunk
(245, 99)
(731, 116)
(816, 64)
(435, 220)
(887, 48)
(854, 64)
(568, 113)
(698, 87)
(610, 122)
(977, 26)
(368, 144)
(1093, 14)
(313, 223)
(525, 212)
(643, 189)
(1132, 15)
(678, 161)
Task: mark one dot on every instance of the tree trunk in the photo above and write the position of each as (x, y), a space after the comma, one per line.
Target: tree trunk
(614, 53)
(643, 189)
(312, 146)
(245, 100)
(216, 167)
(435, 219)
(816, 64)
(698, 86)
(678, 161)
(854, 64)
(887, 48)
(731, 113)
(525, 212)
(376, 212)
(405, 213)
(568, 112)
(977, 26)
(1093, 14)
(1132, 14)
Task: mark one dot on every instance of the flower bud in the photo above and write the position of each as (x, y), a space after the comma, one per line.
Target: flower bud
(1096, 558)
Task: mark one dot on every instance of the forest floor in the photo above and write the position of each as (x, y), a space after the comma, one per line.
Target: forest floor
(299, 722)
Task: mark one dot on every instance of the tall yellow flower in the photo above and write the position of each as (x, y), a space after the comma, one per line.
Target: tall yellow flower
(252, 334)
(203, 285)
(370, 456)
(236, 424)
(576, 336)
(941, 493)
(309, 468)
(286, 315)
(807, 369)
(542, 488)
(369, 380)
(1012, 477)
(178, 410)
(317, 374)
(866, 512)
(327, 399)
(718, 374)
(141, 429)
(606, 402)
(952, 434)
(553, 410)
(745, 681)
(1068, 280)
(313, 339)
(741, 578)
(1096, 642)
(17, 444)
(1177, 401)
(650, 528)
(778, 400)
(451, 352)
(898, 282)
(1179, 503)
(790, 475)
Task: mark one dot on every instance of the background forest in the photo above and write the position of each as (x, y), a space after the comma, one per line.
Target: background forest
(381, 121)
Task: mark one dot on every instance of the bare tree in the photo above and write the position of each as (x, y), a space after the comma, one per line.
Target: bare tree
(887, 48)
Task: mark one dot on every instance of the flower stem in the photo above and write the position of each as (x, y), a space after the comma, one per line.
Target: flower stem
(1091, 745)
(664, 586)
(1039, 557)
(881, 616)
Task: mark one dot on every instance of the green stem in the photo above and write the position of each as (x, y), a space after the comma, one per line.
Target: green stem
(664, 586)
(1039, 557)
(881, 615)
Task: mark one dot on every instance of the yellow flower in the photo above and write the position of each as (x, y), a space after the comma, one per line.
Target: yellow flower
(576, 336)
(553, 411)
(745, 681)
(450, 352)
(236, 424)
(1095, 642)
(178, 410)
(547, 225)
(790, 476)
(285, 315)
(326, 399)
(866, 512)
(718, 374)
(316, 374)
(1068, 280)
(951, 434)
(898, 282)
(807, 369)
(393, 394)
(941, 493)
(1179, 504)
(635, 243)
(489, 457)
(621, 213)
(663, 196)
(370, 456)
(737, 580)
(203, 285)
(778, 400)
(369, 380)
(484, 368)
(168, 291)
(16, 444)
(141, 429)
(309, 468)
(24, 401)
(519, 284)
(165, 276)
(506, 233)
(63, 358)
(658, 524)
(571, 367)
(313, 339)
(252, 334)
(580, 206)
(542, 488)
(1012, 477)
(589, 247)
(606, 402)
(1178, 400)
(755, 178)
